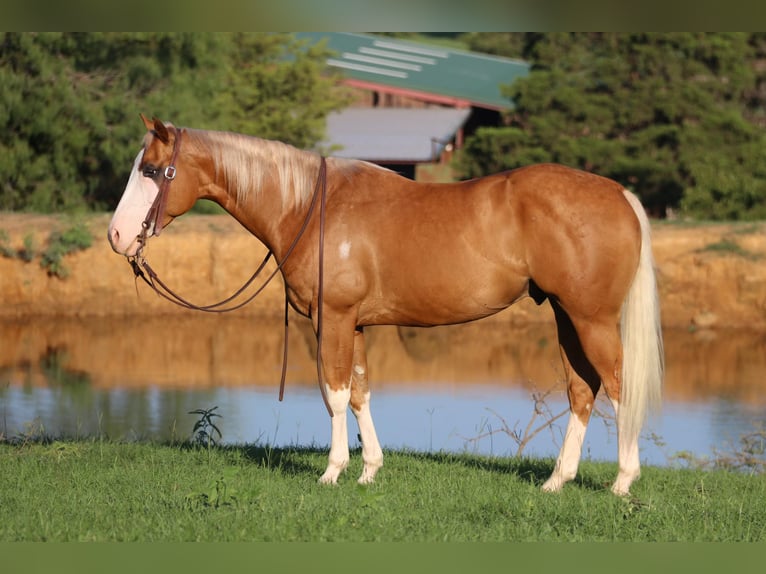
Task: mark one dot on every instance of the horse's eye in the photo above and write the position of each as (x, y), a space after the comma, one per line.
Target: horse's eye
(150, 171)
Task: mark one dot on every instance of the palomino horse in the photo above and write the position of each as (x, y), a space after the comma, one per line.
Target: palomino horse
(397, 252)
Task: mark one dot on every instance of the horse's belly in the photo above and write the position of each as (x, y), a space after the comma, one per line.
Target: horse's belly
(443, 303)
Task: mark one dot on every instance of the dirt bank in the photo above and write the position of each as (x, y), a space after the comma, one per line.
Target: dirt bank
(710, 276)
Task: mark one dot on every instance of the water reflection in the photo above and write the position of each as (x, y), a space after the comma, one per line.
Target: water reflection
(432, 388)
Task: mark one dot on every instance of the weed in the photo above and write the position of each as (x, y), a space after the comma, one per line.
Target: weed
(748, 455)
(205, 429)
(34, 432)
(219, 493)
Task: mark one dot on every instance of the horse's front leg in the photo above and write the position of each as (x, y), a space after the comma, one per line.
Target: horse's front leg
(337, 353)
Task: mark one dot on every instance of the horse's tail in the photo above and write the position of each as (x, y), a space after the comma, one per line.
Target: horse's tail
(643, 358)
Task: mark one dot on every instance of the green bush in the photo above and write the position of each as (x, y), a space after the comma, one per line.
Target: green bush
(61, 243)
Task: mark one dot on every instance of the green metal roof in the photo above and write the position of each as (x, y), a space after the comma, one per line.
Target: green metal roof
(467, 77)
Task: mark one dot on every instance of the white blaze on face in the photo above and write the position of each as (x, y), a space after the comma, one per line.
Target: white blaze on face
(135, 203)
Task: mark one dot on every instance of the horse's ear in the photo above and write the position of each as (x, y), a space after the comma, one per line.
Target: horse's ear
(161, 131)
(147, 122)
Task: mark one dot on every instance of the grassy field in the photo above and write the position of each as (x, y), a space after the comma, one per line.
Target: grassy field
(96, 490)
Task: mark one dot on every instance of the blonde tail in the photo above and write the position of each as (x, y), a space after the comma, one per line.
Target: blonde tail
(643, 358)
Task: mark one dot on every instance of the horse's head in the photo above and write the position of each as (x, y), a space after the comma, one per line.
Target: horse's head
(157, 190)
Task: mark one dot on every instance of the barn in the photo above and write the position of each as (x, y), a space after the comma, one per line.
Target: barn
(415, 103)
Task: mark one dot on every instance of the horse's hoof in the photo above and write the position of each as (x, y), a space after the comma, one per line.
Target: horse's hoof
(552, 485)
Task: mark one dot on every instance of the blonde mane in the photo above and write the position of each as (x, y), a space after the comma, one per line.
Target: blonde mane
(245, 162)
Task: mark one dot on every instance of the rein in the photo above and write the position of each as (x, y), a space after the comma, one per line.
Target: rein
(154, 219)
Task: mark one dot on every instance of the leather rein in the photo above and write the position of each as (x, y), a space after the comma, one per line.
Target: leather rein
(154, 221)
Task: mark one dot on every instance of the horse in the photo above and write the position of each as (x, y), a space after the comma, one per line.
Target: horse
(385, 250)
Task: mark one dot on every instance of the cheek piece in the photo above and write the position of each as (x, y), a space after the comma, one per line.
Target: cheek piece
(156, 214)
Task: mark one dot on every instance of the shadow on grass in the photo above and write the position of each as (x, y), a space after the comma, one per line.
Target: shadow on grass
(301, 461)
(292, 461)
(532, 470)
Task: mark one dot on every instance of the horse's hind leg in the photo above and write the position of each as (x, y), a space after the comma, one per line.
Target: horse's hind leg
(602, 344)
(372, 455)
(592, 354)
(583, 383)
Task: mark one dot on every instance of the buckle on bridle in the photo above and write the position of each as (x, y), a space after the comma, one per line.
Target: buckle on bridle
(170, 172)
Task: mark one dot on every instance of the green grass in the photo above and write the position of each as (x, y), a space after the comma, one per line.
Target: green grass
(97, 490)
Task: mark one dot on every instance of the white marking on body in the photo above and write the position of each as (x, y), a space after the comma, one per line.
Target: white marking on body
(338, 459)
(569, 457)
(344, 249)
(359, 369)
(372, 454)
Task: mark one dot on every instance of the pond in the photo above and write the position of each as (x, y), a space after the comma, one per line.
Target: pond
(465, 388)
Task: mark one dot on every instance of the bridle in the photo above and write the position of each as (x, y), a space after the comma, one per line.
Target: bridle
(155, 217)
(154, 221)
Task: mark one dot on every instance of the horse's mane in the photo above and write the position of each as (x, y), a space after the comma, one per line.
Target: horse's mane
(245, 161)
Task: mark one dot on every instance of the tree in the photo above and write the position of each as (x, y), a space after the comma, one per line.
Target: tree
(664, 114)
(506, 44)
(69, 104)
(45, 144)
(278, 88)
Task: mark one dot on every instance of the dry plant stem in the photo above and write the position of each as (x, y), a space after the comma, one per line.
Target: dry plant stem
(541, 409)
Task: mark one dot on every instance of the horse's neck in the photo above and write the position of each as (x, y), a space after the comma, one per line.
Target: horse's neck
(275, 206)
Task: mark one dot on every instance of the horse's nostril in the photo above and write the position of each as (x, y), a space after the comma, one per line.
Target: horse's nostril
(114, 236)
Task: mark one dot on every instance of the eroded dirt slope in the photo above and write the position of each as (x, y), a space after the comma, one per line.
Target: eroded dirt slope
(710, 276)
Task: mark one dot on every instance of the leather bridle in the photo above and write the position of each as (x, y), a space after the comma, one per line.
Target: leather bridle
(155, 217)
(154, 221)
